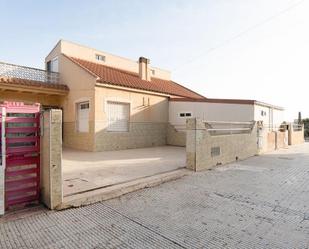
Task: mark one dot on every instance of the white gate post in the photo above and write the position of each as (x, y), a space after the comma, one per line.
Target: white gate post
(3, 161)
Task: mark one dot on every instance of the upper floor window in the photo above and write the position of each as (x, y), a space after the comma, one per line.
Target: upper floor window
(52, 65)
(185, 114)
(153, 72)
(263, 113)
(100, 57)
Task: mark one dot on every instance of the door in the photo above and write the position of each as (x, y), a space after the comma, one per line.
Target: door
(83, 116)
(22, 167)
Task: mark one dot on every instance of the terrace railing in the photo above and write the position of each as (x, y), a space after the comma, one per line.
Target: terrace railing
(228, 128)
(28, 73)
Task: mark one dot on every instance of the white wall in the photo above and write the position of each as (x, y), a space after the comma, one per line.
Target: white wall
(258, 114)
(279, 117)
(210, 111)
(273, 118)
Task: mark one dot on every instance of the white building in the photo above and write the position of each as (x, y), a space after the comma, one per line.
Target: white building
(224, 110)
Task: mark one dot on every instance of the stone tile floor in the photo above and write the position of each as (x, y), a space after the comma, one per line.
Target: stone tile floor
(83, 171)
(261, 202)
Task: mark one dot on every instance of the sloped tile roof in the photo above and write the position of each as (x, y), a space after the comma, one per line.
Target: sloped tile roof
(114, 76)
(221, 101)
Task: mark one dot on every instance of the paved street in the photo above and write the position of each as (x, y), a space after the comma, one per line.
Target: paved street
(262, 202)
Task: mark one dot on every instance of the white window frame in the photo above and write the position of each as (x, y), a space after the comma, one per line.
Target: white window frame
(77, 109)
(54, 65)
(100, 57)
(113, 100)
(185, 115)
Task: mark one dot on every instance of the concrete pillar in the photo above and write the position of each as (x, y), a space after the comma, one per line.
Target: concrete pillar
(51, 158)
(2, 163)
(195, 146)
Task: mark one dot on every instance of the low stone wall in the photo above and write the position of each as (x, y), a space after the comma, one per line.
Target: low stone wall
(271, 140)
(174, 137)
(205, 150)
(140, 135)
(282, 140)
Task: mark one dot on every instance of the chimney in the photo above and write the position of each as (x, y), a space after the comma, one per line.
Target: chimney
(144, 70)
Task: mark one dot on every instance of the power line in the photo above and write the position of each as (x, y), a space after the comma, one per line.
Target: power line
(242, 33)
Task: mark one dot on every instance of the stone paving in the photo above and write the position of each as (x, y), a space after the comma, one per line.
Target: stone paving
(261, 202)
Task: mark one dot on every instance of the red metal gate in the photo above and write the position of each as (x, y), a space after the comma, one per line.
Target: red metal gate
(22, 135)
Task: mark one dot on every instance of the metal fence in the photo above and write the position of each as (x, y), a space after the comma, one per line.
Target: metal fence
(228, 128)
(28, 73)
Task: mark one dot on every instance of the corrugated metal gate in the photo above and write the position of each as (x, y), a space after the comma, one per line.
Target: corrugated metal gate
(22, 153)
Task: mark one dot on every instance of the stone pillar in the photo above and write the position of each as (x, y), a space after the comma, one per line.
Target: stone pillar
(195, 144)
(51, 158)
(2, 163)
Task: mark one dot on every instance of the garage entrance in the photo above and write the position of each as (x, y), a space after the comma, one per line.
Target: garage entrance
(87, 171)
(20, 148)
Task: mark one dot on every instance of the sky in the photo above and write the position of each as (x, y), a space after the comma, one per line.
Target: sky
(248, 49)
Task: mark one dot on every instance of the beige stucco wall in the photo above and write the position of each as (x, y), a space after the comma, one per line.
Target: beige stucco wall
(232, 147)
(81, 85)
(269, 140)
(147, 126)
(86, 53)
(148, 123)
(296, 137)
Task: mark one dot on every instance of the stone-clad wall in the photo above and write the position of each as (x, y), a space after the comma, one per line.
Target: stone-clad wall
(140, 135)
(78, 140)
(205, 151)
(174, 137)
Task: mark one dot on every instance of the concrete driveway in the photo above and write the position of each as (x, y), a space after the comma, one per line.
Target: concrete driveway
(261, 202)
(84, 171)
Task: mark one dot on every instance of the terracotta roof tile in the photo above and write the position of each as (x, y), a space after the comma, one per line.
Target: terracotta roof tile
(24, 82)
(221, 101)
(110, 75)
